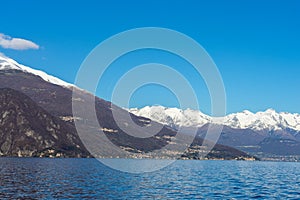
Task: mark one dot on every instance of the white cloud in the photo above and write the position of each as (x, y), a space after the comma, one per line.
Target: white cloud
(8, 42)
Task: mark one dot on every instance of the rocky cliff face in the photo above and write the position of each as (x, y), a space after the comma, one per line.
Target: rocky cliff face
(28, 130)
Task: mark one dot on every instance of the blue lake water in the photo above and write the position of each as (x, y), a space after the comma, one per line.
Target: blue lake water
(42, 178)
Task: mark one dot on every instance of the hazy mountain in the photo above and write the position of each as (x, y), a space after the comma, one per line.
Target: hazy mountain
(48, 113)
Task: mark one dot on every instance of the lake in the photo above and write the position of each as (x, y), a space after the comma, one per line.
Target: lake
(43, 178)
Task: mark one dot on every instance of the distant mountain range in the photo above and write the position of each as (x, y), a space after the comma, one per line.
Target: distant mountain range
(265, 133)
(268, 120)
(36, 119)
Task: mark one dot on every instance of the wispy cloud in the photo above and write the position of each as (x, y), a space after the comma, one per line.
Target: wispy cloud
(8, 42)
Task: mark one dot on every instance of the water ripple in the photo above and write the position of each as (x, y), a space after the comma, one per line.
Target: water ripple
(33, 178)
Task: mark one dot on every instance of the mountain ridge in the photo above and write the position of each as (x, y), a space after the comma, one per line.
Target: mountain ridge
(7, 63)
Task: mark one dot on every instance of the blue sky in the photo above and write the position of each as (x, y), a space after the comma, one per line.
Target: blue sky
(255, 44)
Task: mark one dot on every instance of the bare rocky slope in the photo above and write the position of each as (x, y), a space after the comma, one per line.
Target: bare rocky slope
(28, 130)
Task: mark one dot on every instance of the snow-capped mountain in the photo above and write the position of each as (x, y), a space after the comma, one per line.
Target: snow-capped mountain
(262, 133)
(269, 120)
(173, 117)
(37, 119)
(10, 64)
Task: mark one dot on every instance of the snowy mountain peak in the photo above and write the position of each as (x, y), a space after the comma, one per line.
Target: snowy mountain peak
(247, 112)
(270, 111)
(268, 120)
(10, 64)
(173, 117)
(7, 63)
